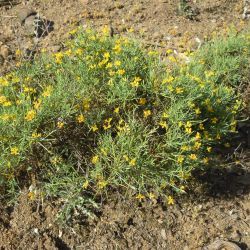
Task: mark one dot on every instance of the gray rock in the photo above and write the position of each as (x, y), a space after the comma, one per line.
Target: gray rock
(163, 234)
(23, 13)
(29, 25)
(221, 244)
(4, 51)
(37, 26)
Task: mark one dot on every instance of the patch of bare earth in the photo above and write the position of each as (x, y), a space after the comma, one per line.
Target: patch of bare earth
(218, 207)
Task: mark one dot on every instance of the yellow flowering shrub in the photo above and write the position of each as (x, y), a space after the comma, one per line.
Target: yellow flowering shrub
(105, 114)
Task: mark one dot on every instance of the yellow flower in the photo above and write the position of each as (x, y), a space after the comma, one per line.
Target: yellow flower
(185, 148)
(172, 59)
(182, 188)
(193, 157)
(169, 51)
(3, 99)
(140, 197)
(151, 196)
(120, 71)
(79, 51)
(37, 104)
(147, 113)
(104, 151)
(136, 82)
(102, 184)
(85, 184)
(142, 101)
(117, 48)
(106, 55)
(214, 120)
(209, 73)
(209, 149)
(18, 52)
(14, 151)
(168, 80)
(29, 90)
(47, 91)
(105, 30)
(30, 115)
(179, 90)
(7, 104)
(191, 105)
(205, 160)
(188, 124)
(56, 159)
(95, 159)
(117, 63)
(4, 82)
(18, 102)
(227, 145)
(170, 200)
(86, 104)
(116, 110)
(36, 135)
(107, 124)
(126, 157)
(197, 145)
(111, 73)
(80, 118)
(210, 109)
(58, 57)
(32, 195)
(5, 117)
(180, 123)
(60, 124)
(94, 128)
(109, 65)
(73, 32)
(219, 100)
(170, 88)
(197, 111)
(68, 52)
(206, 134)
(163, 124)
(201, 126)
(188, 130)
(132, 162)
(197, 136)
(180, 159)
(165, 115)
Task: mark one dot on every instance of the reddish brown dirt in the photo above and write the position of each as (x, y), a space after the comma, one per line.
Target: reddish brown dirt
(218, 206)
(217, 209)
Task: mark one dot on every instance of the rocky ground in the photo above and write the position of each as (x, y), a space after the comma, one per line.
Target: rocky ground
(217, 207)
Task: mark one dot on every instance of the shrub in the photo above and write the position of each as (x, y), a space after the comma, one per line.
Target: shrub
(104, 114)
